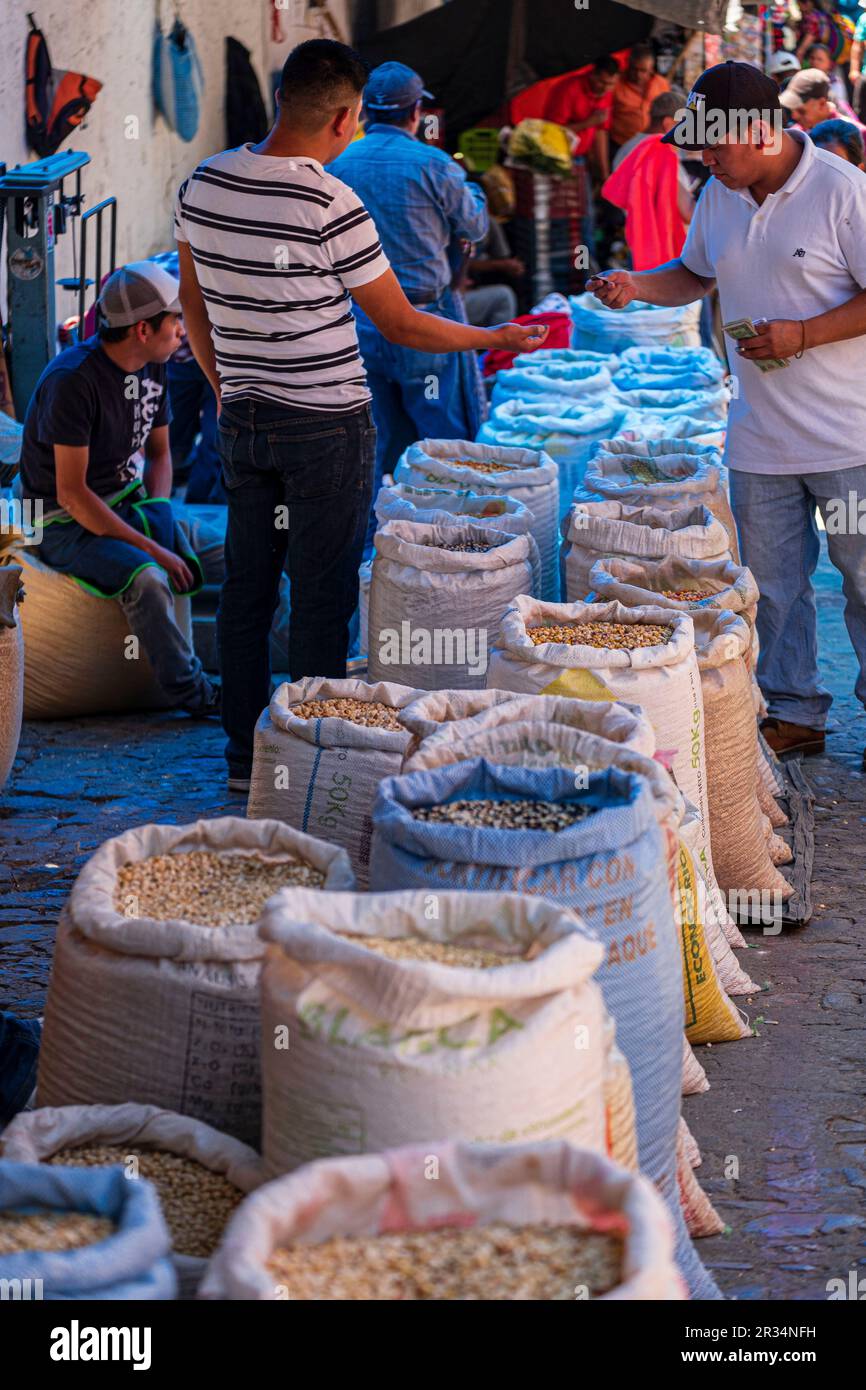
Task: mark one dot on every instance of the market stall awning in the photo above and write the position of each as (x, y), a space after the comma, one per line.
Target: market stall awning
(708, 15)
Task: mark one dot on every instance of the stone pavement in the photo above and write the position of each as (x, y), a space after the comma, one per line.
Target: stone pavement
(787, 1105)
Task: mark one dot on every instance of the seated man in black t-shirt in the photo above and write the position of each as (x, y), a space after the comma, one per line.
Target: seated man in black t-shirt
(95, 408)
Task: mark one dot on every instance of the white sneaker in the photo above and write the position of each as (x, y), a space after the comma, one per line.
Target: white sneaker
(241, 785)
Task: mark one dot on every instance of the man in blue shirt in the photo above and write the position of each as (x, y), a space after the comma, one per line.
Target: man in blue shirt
(423, 207)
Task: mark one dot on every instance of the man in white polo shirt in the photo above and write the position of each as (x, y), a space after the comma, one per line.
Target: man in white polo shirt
(781, 229)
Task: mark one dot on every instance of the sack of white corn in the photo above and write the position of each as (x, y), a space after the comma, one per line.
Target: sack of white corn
(616, 330)
(570, 380)
(436, 598)
(321, 748)
(199, 1174)
(567, 430)
(524, 737)
(600, 851)
(11, 668)
(520, 726)
(416, 1014)
(660, 473)
(438, 507)
(492, 471)
(76, 649)
(655, 424)
(740, 852)
(605, 651)
(433, 709)
(596, 530)
(668, 369)
(67, 1234)
(154, 992)
(499, 1223)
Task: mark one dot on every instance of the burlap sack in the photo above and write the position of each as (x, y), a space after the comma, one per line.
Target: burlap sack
(665, 473)
(527, 474)
(320, 775)
(596, 530)
(385, 1051)
(76, 650)
(702, 1219)
(35, 1135)
(433, 613)
(740, 856)
(476, 1184)
(164, 1013)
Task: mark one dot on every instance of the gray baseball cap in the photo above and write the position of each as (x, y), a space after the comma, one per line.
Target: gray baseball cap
(808, 85)
(138, 291)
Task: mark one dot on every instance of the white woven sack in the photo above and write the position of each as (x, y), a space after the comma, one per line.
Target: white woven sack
(527, 474)
(433, 612)
(164, 1013)
(321, 775)
(75, 647)
(616, 330)
(11, 669)
(593, 531)
(554, 1183)
(34, 1136)
(386, 1051)
(656, 424)
(572, 381)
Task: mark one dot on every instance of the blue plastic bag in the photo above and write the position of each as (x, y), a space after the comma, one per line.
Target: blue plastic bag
(610, 868)
(132, 1263)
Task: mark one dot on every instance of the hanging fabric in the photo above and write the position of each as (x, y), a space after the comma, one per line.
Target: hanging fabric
(178, 80)
(246, 116)
(56, 101)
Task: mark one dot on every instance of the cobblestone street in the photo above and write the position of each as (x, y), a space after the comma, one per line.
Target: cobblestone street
(787, 1105)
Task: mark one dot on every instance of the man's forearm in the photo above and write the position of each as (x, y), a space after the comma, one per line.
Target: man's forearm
(671, 285)
(429, 333)
(158, 475)
(848, 320)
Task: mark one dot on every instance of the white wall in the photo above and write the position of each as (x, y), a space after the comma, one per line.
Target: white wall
(111, 40)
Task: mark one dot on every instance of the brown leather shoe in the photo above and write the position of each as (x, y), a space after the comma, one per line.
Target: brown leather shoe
(786, 739)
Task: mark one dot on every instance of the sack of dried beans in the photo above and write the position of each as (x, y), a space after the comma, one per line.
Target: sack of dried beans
(599, 850)
(436, 597)
(154, 992)
(321, 748)
(525, 1221)
(200, 1175)
(493, 471)
(660, 473)
(593, 531)
(411, 1015)
(68, 1234)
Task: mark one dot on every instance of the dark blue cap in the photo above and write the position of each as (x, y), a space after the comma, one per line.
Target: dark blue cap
(393, 87)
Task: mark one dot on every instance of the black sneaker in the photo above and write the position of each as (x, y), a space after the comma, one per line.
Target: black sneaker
(208, 705)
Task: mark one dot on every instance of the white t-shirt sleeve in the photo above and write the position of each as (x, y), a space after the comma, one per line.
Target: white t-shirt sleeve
(695, 254)
(352, 243)
(851, 230)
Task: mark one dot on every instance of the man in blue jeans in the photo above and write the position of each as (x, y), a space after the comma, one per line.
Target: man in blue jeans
(271, 248)
(780, 227)
(424, 209)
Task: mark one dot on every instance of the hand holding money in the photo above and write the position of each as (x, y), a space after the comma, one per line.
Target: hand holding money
(768, 343)
(615, 288)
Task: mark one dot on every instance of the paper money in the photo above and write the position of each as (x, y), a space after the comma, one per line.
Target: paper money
(744, 328)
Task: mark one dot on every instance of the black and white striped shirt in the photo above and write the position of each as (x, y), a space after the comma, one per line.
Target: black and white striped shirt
(278, 243)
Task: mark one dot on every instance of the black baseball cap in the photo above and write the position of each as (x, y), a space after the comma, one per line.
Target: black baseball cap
(718, 102)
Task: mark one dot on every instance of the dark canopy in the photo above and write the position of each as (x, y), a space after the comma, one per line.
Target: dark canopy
(474, 54)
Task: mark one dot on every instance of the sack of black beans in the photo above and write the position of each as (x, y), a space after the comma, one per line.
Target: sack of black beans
(493, 470)
(389, 1018)
(70, 1234)
(200, 1175)
(436, 598)
(600, 851)
(154, 992)
(450, 1221)
(666, 473)
(321, 748)
(595, 531)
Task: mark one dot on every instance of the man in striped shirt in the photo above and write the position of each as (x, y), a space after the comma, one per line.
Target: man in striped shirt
(271, 248)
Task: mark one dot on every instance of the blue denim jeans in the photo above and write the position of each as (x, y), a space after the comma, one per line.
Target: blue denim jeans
(19, 1052)
(299, 486)
(779, 541)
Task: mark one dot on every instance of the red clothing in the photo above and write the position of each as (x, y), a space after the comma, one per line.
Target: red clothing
(645, 187)
(575, 101)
